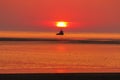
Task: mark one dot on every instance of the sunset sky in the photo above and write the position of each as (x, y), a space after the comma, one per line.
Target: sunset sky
(41, 15)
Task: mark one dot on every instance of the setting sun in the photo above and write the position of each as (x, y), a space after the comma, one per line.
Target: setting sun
(61, 24)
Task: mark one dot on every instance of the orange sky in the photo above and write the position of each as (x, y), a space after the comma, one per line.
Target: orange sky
(40, 15)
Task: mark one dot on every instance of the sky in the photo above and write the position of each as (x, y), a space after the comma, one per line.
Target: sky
(41, 15)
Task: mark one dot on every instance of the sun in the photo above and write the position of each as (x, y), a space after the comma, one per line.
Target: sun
(61, 24)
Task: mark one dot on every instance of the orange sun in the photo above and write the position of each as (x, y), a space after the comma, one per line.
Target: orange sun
(61, 24)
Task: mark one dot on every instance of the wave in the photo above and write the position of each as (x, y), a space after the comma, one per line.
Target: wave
(65, 40)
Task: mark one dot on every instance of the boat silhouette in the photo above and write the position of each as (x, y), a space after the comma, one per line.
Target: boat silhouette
(60, 33)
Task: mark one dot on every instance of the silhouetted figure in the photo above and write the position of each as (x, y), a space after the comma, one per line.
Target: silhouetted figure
(60, 33)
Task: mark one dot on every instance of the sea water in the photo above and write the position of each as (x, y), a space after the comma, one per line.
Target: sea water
(58, 57)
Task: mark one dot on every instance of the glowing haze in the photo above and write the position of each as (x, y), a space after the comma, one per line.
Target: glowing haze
(40, 15)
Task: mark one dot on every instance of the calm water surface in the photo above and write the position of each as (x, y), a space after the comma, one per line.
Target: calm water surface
(58, 57)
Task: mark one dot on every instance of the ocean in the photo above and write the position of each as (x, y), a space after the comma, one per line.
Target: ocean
(73, 53)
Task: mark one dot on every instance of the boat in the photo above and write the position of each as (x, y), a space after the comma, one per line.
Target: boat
(60, 33)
